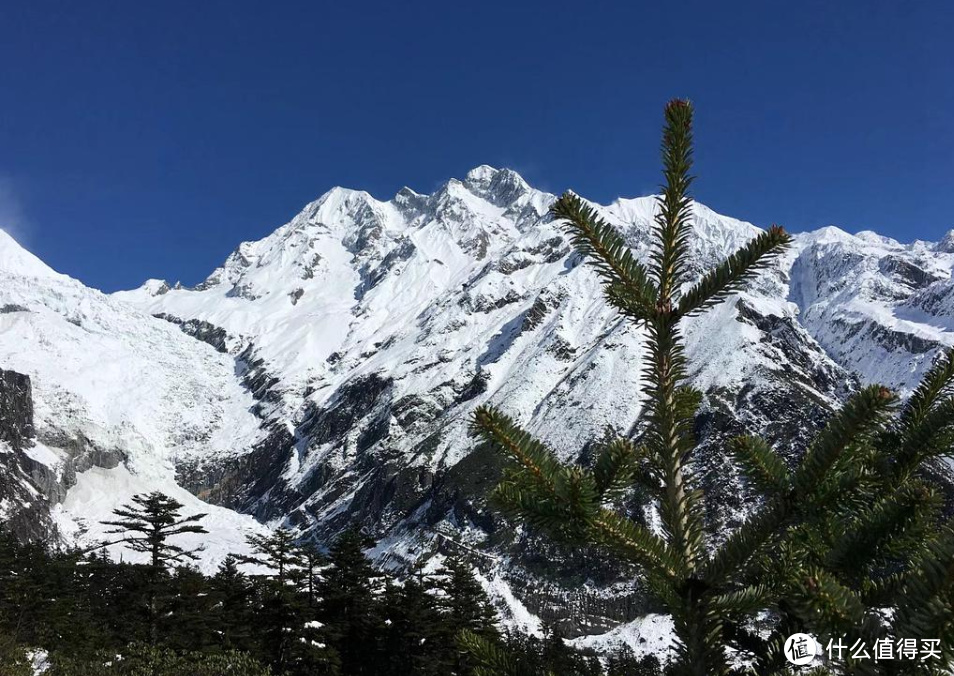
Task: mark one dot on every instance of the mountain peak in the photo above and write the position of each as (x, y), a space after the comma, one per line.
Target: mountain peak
(946, 243)
(17, 260)
(500, 187)
(482, 174)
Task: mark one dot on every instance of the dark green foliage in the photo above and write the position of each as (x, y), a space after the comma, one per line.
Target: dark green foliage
(13, 658)
(854, 528)
(147, 524)
(291, 639)
(347, 594)
(412, 632)
(464, 610)
(277, 551)
(184, 617)
(232, 596)
(464, 603)
(144, 660)
(82, 610)
(522, 655)
(625, 663)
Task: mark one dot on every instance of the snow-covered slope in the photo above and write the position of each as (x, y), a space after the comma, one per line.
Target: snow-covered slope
(879, 307)
(326, 373)
(118, 395)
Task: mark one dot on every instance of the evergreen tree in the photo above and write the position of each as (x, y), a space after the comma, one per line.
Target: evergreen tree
(837, 538)
(624, 663)
(414, 641)
(19, 613)
(559, 658)
(232, 599)
(187, 616)
(312, 560)
(73, 616)
(293, 639)
(146, 525)
(145, 660)
(465, 604)
(347, 605)
(13, 658)
(465, 608)
(278, 551)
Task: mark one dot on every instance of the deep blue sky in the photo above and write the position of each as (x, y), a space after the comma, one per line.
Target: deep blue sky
(142, 139)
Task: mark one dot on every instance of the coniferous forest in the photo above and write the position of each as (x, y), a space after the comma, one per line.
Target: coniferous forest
(303, 612)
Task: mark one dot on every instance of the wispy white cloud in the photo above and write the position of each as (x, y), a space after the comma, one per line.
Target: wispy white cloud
(13, 218)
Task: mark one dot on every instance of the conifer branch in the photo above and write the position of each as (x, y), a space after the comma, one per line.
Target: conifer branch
(563, 501)
(927, 606)
(743, 601)
(762, 466)
(827, 605)
(616, 467)
(637, 543)
(670, 254)
(491, 660)
(937, 382)
(864, 414)
(892, 527)
(501, 432)
(746, 542)
(928, 434)
(626, 281)
(734, 271)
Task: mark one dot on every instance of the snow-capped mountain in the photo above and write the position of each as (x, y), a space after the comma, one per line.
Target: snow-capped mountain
(326, 373)
(118, 401)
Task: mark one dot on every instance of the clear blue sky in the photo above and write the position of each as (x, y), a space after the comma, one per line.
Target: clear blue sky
(147, 139)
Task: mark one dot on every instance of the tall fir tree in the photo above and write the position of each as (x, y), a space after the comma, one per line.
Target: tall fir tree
(464, 608)
(413, 640)
(853, 529)
(278, 551)
(148, 522)
(232, 605)
(293, 640)
(146, 525)
(312, 561)
(347, 605)
(464, 602)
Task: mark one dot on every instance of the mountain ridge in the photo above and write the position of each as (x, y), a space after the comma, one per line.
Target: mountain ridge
(325, 373)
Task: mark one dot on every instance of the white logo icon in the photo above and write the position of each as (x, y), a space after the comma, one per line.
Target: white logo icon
(799, 649)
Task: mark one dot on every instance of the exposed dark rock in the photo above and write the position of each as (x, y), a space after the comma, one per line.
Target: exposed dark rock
(488, 304)
(372, 274)
(249, 483)
(242, 291)
(351, 404)
(262, 385)
(907, 272)
(16, 409)
(24, 507)
(214, 335)
(308, 270)
(536, 314)
(561, 349)
(474, 387)
(511, 264)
